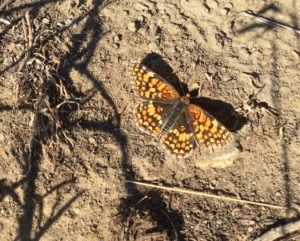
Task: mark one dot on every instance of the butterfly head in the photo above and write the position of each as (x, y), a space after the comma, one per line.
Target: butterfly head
(185, 99)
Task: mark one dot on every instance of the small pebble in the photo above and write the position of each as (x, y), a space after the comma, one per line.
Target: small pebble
(1, 137)
(143, 32)
(134, 26)
(195, 85)
(92, 141)
(45, 21)
(141, 7)
(296, 54)
(118, 37)
(251, 222)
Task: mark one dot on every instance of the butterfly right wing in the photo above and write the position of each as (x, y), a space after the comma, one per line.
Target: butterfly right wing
(151, 115)
(149, 85)
(207, 130)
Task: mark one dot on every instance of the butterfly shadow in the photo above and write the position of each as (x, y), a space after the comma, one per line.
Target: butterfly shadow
(156, 63)
(222, 111)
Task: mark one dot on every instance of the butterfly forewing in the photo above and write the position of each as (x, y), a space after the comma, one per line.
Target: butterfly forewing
(179, 139)
(151, 115)
(149, 85)
(207, 130)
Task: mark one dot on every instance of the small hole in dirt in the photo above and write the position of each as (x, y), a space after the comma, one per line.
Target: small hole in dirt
(120, 37)
(137, 24)
(158, 30)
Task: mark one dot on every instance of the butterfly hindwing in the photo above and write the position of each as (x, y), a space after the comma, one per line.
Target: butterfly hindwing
(151, 115)
(179, 140)
(149, 85)
(207, 130)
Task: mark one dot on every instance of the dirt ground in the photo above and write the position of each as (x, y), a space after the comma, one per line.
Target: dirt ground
(69, 140)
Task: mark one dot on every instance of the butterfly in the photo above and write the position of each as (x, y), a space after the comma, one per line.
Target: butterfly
(164, 113)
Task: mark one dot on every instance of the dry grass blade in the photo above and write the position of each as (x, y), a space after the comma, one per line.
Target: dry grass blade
(203, 194)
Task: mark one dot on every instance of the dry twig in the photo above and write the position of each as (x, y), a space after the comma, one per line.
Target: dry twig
(203, 194)
(28, 35)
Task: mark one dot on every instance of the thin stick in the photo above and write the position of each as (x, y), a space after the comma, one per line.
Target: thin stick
(28, 35)
(197, 193)
(2, 20)
(271, 23)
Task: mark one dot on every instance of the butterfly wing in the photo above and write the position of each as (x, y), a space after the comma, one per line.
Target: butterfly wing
(179, 140)
(151, 115)
(149, 85)
(207, 130)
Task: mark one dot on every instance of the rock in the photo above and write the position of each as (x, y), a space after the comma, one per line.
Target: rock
(225, 11)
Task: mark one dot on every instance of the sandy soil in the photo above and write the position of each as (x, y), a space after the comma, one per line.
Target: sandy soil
(69, 140)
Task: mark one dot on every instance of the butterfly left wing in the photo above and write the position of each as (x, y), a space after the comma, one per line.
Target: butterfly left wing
(179, 140)
(207, 130)
(149, 85)
(151, 115)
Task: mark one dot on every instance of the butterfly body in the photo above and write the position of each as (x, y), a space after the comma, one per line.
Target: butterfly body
(164, 113)
(179, 107)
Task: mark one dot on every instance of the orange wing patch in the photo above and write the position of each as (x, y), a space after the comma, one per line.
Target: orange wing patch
(148, 85)
(207, 129)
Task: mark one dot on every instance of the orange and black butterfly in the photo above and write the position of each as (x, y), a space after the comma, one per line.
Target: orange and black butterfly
(164, 113)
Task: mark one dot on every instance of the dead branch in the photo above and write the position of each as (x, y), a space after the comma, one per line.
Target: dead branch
(280, 232)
